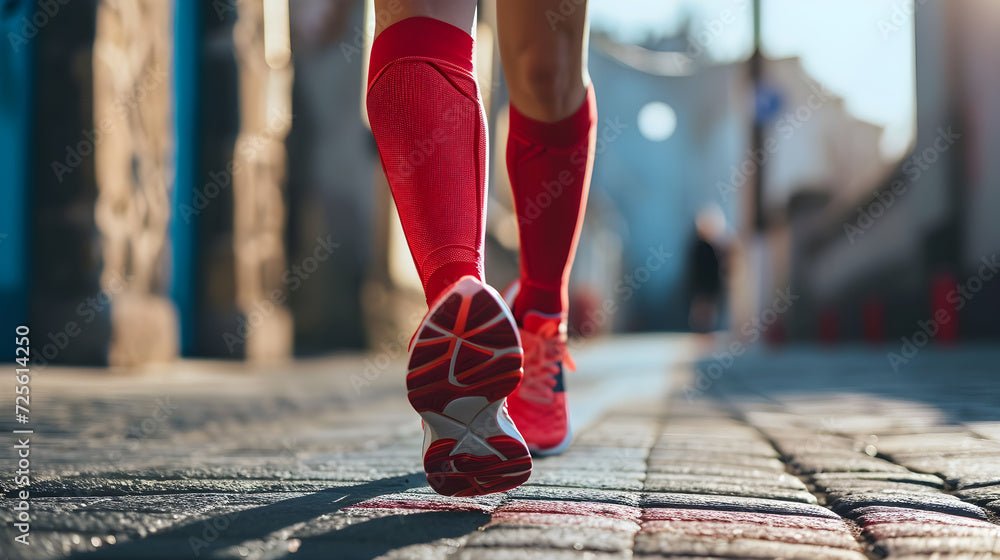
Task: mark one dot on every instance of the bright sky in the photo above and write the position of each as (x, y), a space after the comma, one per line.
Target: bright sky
(860, 49)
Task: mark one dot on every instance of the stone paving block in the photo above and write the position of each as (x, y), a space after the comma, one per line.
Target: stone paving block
(601, 510)
(942, 503)
(807, 440)
(710, 432)
(47, 545)
(661, 456)
(429, 502)
(754, 526)
(388, 530)
(510, 520)
(694, 469)
(774, 479)
(940, 442)
(623, 434)
(928, 480)
(962, 458)
(959, 472)
(604, 461)
(441, 551)
(326, 524)
(601, 480)
(682, 545)
(587, 440)
(843, 461)
(756, 532)
(567, 537)
(530, 492)
(974, 477)
(534, 553)
(944, 546)
(594, 452)
(980, 495)
(117, 523)
(785, 520)
(732, 446)
(131, 487)
(845, 488)
(731, 487)
(885, 531)
(887, 515)
(986, 429)
(733, 503)
(432, 500)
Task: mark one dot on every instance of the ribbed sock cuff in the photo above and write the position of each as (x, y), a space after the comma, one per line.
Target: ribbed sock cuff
(421, 37)
(564, 133)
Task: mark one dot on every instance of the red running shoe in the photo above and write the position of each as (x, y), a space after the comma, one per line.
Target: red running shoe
(538, 406)
(465, 359)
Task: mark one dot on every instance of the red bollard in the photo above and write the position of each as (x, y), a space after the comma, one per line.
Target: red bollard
(943, 312)
(873, 318)
(775, 335)
(829, 326)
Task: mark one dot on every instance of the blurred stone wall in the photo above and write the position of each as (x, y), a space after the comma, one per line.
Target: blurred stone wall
(265, 88)
(132, 110)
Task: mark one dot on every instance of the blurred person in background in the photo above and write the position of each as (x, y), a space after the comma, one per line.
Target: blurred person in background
(427, 117)
(705, 269)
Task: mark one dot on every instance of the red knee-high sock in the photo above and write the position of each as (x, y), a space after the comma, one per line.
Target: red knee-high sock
(428, 121)
(549, 166)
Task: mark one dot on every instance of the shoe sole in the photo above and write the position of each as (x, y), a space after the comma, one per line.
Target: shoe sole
(464, 362)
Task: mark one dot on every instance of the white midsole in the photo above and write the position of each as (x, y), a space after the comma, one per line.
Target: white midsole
(470, 422)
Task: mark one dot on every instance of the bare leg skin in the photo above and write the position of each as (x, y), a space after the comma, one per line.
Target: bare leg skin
(460, 13)
(544, 53)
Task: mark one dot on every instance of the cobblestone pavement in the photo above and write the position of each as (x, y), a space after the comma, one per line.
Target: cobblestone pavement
(804, 453)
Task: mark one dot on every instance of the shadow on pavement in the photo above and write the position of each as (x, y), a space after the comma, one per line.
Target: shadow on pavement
(376, 537)
(206, 537)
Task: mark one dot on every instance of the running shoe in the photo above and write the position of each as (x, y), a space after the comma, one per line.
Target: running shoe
(465, 359)
(538, 406)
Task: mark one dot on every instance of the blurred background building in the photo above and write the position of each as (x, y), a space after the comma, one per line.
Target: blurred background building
(196, 178)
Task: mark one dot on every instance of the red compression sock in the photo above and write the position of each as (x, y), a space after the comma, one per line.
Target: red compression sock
(428, 121)
(549, 166)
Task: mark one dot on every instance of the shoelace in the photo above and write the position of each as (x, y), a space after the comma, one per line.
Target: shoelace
(543, 352)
